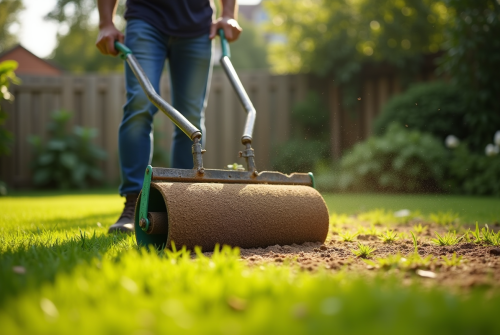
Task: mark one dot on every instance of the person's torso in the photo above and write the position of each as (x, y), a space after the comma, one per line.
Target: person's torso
(180, 18)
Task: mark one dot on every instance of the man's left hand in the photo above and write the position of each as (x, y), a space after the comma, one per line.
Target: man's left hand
(230, 26)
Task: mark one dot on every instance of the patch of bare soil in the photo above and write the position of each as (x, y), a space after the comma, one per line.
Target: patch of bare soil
(479, 264)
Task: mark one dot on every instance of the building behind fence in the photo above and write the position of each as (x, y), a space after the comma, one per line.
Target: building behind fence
(96, 101)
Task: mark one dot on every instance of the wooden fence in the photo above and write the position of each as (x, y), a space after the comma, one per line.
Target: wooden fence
(96, 101)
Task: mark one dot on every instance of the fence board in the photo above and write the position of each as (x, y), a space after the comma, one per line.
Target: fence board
(335, 120)
(97, 100)
(262, 143)
(369, 105)
(22, 130)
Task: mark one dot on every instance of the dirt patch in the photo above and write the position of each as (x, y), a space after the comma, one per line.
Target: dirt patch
(464, 264)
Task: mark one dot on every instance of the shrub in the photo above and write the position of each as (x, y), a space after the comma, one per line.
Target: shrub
(401, 160)
(472, 173)
(67, 159)
(298, 155)
(7, 76)
(309, 143)
(473, 54)
(436, 108)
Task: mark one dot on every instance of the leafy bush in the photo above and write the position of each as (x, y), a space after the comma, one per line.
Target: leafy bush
(7, 76)
(298, 155)
(472, 173)
(309, 143)
(437, 108)
(67, 159)
(401, 160)
(473, 54)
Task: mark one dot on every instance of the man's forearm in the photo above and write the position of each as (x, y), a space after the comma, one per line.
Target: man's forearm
(229, 9)
(107, 10)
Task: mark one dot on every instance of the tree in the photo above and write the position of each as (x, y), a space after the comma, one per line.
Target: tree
(338, 36)
(7, 76)
(472, 61)
(9, 11)
(75, 50)
(249, 51)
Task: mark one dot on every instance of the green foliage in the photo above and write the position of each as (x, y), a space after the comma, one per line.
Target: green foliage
(485, 236)
(389, 236)
(415, 242)
(67, 160)
(7, 76)
(363, 251)
(411, 262)
(415, 261)
(340, 35)
(298, 155)
(471, 60)
(9, 12)
(435, 108)
(311, 117)
(401, 160)
(419, 229)
(309, 143)
(447, 239)
(386, 263)
(473, 173)
(348, 236)
(249, 52)
(76, 52)
(489, 236)
(60, 269)
(453, 261)
(444, 218)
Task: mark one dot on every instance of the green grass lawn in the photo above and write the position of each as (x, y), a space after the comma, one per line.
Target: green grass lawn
(61, 273)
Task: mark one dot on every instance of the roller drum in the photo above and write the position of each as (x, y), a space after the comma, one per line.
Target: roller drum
(243, 215)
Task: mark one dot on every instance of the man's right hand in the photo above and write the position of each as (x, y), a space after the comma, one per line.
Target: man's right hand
(106, 39)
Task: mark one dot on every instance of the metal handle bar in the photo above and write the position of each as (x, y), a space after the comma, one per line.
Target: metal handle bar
(177, 118)
(239, 89)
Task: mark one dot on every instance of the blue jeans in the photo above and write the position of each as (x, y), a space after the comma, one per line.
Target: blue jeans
(189, 69)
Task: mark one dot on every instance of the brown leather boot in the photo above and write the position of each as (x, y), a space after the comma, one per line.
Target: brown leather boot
(125, 223)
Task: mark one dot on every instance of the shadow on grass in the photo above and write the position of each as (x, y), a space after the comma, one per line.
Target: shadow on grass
(38, 258)
(57, 193)
(64, 223)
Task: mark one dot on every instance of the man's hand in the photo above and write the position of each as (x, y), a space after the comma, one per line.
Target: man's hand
(230, 26)
(106, 39)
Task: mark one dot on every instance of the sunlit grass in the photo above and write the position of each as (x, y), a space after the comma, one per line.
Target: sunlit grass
(61, 273)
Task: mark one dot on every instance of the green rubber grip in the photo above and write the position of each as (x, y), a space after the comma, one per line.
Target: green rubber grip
(122, 49)
(224, 44)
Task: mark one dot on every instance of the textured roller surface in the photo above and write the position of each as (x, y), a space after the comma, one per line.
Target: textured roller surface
(156, 223)
(248, 216)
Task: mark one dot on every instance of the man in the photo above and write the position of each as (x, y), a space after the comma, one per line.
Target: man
(180, 31)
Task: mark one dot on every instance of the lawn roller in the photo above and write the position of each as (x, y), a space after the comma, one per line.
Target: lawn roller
(205, 207)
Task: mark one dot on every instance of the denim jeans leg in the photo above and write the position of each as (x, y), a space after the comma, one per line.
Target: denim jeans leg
(135, 140)
(190, 71)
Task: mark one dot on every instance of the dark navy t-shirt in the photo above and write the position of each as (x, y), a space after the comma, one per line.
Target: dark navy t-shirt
(180, 18)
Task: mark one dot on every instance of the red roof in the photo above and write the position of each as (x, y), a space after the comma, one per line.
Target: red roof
(28, 63)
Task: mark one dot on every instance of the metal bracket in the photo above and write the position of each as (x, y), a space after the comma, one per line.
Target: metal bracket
(143, 208)
(249, 156)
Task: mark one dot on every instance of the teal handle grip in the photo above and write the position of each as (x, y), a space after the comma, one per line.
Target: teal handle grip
(122, 49)
(224, 44)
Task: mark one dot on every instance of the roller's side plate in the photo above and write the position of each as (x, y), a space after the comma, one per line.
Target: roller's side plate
(230, 176)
